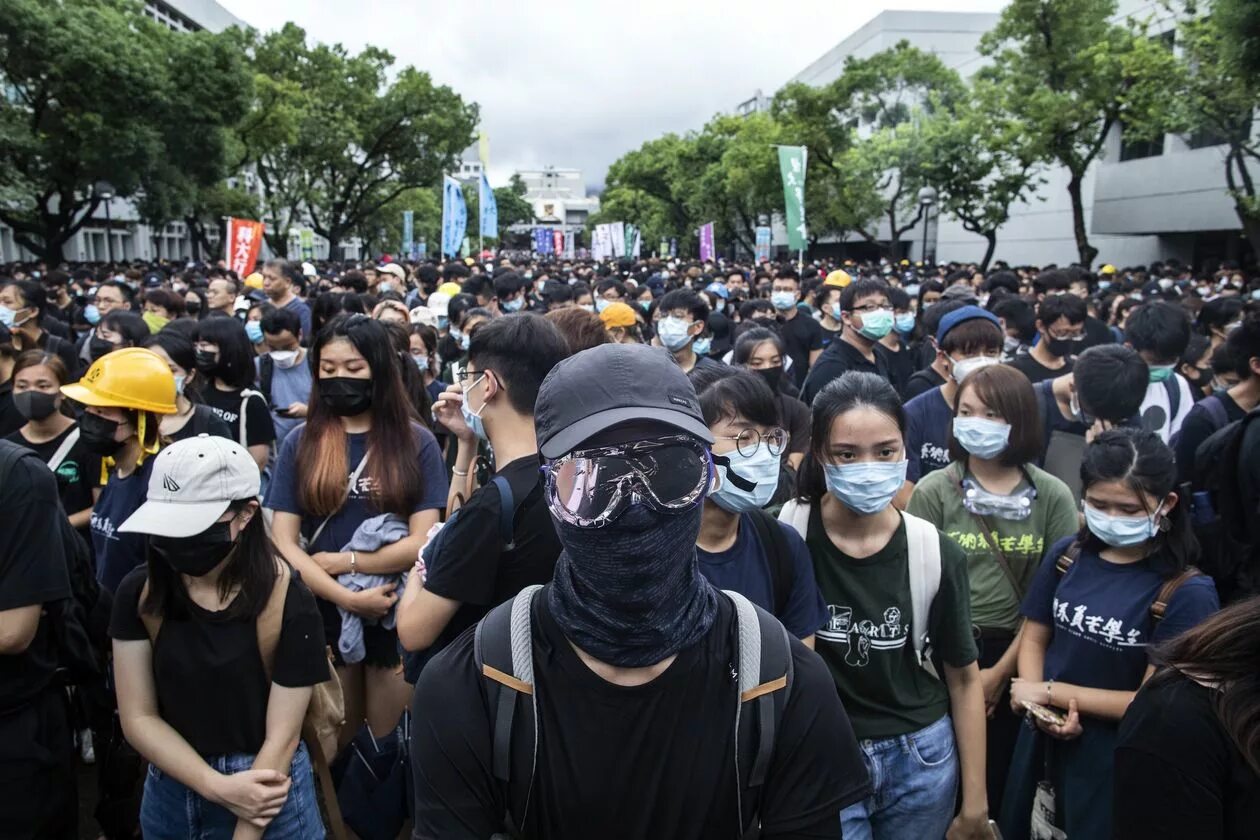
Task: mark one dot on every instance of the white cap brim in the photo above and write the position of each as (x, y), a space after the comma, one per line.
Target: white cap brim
(173, 519)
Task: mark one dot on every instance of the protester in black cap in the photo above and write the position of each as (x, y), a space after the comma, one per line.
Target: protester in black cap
(632, 716)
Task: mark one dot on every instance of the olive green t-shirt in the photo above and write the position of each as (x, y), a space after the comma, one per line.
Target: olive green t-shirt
(867, 643)
(994, 601)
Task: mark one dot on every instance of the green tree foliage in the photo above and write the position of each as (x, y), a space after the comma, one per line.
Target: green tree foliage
(1240, 35)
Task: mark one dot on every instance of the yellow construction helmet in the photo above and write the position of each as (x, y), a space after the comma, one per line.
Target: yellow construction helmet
(133, 378)
(449, 288)
(838, 278)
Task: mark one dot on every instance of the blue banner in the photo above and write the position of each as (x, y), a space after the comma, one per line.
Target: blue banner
(489, 210)
(544, 243)
(408, 231)
(454, 216)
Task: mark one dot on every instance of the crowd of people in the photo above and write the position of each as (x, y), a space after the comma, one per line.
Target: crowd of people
(550, 548)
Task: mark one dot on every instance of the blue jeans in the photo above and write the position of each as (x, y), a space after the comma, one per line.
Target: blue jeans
(914, 781)
(172, 811)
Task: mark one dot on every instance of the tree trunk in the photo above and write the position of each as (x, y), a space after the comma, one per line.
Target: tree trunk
(991, 237)
(1242, 189)
(1084, 251)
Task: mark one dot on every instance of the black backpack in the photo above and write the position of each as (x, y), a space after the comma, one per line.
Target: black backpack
(80, 624)
(778, 557)
(503, 654)
(1220, 514)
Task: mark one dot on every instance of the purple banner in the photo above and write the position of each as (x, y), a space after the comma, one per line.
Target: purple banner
(707, 251)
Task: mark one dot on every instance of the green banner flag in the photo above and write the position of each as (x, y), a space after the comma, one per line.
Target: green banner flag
(792, 168)
(307, 239)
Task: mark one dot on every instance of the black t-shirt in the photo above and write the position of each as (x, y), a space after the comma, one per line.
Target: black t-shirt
(211, 684)
(205, 420)
(472, 566)
(1178, 773)
(1198, 427)
(227, 404)
(1249, 474)
(77, 473)
(829, 336)
(32, 571)
(61, 346)
(901, 365)
(1096, 332)
(1036, 371)
(618, 762)
(839, 358)
(801, 335)
(10, 419)
(921, 382)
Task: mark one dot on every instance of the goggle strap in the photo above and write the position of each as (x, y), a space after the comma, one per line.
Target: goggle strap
(734, 477)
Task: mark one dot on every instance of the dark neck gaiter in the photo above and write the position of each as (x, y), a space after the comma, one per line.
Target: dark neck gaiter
(631, 594)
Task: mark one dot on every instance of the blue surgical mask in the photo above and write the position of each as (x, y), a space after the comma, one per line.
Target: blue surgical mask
(179, 384)
(673, 332)
(1104, 285)
(463, 342)
(474, 420)
(601, 304)
(783, 301)
(719, 305)
(877, 324)
(513, 305)
(867, 487)
(253, 329)
(91, 314)
(904, 323)
(443, 322)
(1120, 531)
(1158, 373)
(421, 361)
(982, 437)
(702, 345)
(7, 316)
(761, 469)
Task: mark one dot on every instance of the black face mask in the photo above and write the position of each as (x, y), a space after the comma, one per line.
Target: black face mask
(97, 434)
(1202, 379)
(772, 375)
(1063, 347)
(35, 405)
(207, 362)
(345, 396)
(198, 555)
(98, 347)
(192, 307)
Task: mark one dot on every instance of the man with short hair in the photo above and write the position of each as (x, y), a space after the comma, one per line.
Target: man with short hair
(1159, 332)
(636, 676)
(284, 378)
(827, 301)
(867, 316)
(802, 335)
(279, 279)
(221, 295)
(1061, 324)
(683, 318)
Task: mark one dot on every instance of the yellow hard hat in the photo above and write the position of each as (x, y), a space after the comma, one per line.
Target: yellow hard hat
(1107, 269)
(254, 281)
(133, 378)
(448, 288)
(838, 278)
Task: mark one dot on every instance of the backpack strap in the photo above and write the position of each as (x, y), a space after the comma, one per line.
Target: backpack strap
(1160, 605)
(266, 372)
(245, 395)
(778, 558)
(64, 450)
(796, 514)
(507, 512)
(1215, 409)
(1068, 557)
(1173, 387)
(923, 543)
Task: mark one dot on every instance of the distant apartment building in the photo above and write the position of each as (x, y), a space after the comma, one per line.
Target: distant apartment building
(558, 197)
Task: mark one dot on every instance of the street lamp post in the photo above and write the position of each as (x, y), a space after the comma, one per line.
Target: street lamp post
(104, 190)
(927, 198)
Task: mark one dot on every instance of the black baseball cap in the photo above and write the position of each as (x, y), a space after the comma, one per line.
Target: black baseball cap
(612, 384)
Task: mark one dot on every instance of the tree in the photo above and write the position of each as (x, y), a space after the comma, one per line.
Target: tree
(1069, 75)
(80, 108)
(1239, 27)
(511, 203)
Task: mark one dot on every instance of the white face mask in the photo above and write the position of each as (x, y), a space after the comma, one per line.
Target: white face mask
(962, 368)
(284, 359)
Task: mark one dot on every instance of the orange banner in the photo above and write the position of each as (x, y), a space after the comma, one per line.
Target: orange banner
(244, 239)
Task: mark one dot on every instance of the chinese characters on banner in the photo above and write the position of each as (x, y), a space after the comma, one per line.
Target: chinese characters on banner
(792, 168)
(558, 241)
(544, 242)
(408, 232)
(244, 238)
(763, 244)
(489, 206)
(454, 216)
(707, 251)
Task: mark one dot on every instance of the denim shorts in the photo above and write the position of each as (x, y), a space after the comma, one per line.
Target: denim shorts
(172, 811)
(914, 782)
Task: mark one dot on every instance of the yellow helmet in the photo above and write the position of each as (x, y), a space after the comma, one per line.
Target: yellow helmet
(449, 288)
(133, 378)
(254, 281)
(838, 278)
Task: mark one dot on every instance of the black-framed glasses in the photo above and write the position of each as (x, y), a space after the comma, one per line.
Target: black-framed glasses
(747, 441)
(867, 308)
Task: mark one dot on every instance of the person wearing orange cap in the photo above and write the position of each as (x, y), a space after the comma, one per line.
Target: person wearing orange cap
(621, 324)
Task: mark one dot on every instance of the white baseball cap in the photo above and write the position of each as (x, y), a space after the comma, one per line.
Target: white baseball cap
(424, 315)
(192, 482)
(438, 303)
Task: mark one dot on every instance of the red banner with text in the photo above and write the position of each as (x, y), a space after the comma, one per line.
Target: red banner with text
(244, 239)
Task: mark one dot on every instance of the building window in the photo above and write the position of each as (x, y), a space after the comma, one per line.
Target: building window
(1206, 138)
(1133, 149)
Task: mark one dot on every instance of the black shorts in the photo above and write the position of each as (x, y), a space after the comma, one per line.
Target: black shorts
(380, 645)
(38, 787)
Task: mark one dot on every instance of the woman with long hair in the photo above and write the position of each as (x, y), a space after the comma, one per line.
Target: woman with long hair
(921, 734)
(1188, 756)
(359, 455)
(225, 357)
(217, 645)
(1098, 603)
(192, 416)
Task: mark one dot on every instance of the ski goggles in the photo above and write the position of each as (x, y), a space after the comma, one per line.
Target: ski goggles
(591, 487)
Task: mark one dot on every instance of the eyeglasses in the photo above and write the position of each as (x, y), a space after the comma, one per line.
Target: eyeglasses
(465, 375)
(747, 441)
(592, 487)
(867, 308)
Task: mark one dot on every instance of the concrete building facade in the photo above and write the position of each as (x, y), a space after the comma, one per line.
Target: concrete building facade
(559, 198)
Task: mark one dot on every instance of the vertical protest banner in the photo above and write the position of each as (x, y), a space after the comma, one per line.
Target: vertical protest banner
(630, 233)
(792, 160)
(306, 241)
(557, 237)
(664, 249)
(569, 238)
(763, 244)
(673, 247)
(244, 238)
(420, 250)
(465, 250)
(408, 232)
(618, 232)
(707, 250)
(489, 227)
(454, 216)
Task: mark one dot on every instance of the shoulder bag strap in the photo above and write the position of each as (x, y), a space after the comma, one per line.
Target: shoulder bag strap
(985, 533)
(271, 619)
(64, 449)
(796, 514)
(1160, 605)
(245, 397)
(507, 511)
(923, 549)
(354, 479)
(778, 558)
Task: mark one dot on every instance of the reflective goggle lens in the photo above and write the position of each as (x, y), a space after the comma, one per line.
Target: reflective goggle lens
(592, 487)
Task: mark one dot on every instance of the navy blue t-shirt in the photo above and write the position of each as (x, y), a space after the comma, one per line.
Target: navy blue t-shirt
(282, 493)
(928, 419)
(117, 554)
(1100, 613)
(745, 568)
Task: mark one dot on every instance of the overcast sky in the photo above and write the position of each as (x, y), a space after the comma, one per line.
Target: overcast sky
(577, 83)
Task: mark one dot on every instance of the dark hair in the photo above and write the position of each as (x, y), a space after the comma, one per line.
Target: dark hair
(1196, 349)
(1243, 345)
(1111, 381)
(166, 299)
(1018, 315)
(521, 350)
(687, 300)
(280, 320)
(1146, 465)
(36, 358)
(1009, 393)
(1052, 280)
(412, 377)
(393, 443)
(1007, 280)
(929, 286)
(866, 287)
(727, 392)
(253, 569)
(850, 391)
(182, 352)
(128, 324)
(236, 355)
(615, 285)
(975, 335)
(1218, 313)
(1056, 306)
(1160, 328)
(459, 306)
(750, 338)
(507, 284)
(1223, 650)
(203, 307)
(33, 295)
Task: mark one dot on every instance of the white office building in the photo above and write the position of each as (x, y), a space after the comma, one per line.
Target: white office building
(558, 197)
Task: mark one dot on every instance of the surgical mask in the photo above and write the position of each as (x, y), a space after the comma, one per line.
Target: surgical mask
(513, 305)
(154, 321)
(761, 469)
(904, 322)
(422, 362)
(867, 487)
(198, 555)
(284, 359)
(179, 384)
(719, 305)
(877, 324)
(253, 329)
(193, 307)
(783, 301)
(1120, 531)
(1010, 345)
(345, 396)
(645, 305)
(1015, 507)
(97, 434)
(443, 322)
(673, 332)
(702, 345)
(982, 437)
(960, 369)
(35, 405)
(91, 314)
(463, 342)
(1165, 283)
(1158, 373)
(601, 304)
(458, 336)
(8, 317)
(473, 419)
(207, 361)
(1104, 285)
(1074, 405)
(385, 287)
(589, 307)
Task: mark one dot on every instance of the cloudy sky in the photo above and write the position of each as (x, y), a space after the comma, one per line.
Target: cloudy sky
(577, 83)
